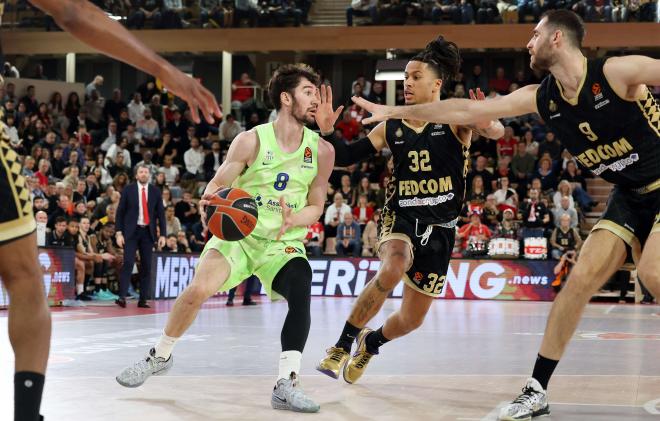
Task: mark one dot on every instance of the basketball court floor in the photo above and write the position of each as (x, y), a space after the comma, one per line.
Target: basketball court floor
(467, 360)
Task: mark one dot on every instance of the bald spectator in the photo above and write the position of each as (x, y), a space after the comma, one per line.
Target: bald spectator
(96, 84)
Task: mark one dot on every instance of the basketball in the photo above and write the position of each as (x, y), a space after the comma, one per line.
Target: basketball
(231, 214)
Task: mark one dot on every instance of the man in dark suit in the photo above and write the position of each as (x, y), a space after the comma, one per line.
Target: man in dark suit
(140, 205)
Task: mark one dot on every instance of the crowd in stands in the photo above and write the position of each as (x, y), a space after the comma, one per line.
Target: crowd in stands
(80, 151)
(461, 12)
(177, 14)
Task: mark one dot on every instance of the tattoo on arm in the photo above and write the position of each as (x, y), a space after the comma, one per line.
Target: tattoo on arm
(379, 287)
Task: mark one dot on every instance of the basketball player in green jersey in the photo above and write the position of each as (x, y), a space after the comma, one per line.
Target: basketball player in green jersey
(424, 199)
(606, 117)
(286, 167)
(29, 318)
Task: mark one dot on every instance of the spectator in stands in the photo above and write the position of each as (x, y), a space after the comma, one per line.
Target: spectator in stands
(547, 175)
(229, 129)
(314, 240)
(113, 106)
(348, 126)
(363, 212)
(171, 221)
(573, 175)
(148, 129)
(173, 15)
(194, 161)
(64, 209)
(564, 189)
(377, 94)
(476, 80)
(499, 83)
(507, 145)
(535, 216)
(171, 172)
(598, 11)
(364, 84)
(136, 108)
(172, 245)
(182, 241)
(94, 109)
(30, 100)
(487, 12)
(214, 15)
(334, 214)
(491, 214)
(474, 235)
(186, 211)
(284, 10)
(370, 235)
(43, 173)
(529, 8)
(212, 160)
(362, 8)
(505, 196)
(242, 96)
(565, 237)
(508, 228)
(522, 167)
(114, 151)
(486, 176)
(565, 208)
(246, 9)
(10, 70)
(508, 11)
(96, 84)
(551, 145)
(349, 237)
(347, 191)
(476, 195)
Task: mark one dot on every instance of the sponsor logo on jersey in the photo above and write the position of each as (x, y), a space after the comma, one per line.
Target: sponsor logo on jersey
(269, 155)
(307, 167)
(426, 201)
(426, 186)
(291, 250)
(601, 104)
(555, 116)
(257, 199)
(438, 133)
(399, 142)
(307, 158)
(437, 126)
(552, 106)
(617, 149)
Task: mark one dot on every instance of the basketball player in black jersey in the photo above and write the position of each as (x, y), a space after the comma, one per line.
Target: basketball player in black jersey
(606, 117)
(423, 201)
(29, 318)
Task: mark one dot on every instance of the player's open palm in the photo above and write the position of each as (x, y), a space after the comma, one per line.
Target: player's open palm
(287, 218)
(325, 116)
(378, 112)
(480, 96)
(191, 91)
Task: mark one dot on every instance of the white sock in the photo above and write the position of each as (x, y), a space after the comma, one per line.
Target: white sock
(289, 362)
(79, 289)
(164, 346)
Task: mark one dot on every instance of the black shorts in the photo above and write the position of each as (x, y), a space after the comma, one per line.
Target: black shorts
(16, 217)
(430, 260)
(632, 216)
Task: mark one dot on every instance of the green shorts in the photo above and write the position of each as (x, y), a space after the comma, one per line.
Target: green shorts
(255, 256)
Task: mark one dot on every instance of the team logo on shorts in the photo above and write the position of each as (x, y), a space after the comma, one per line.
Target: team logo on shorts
(291, 250)
(308, 155)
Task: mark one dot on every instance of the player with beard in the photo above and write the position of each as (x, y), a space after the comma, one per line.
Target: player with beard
(424, 198)
(607, 118)
(286, 167)
(29, 318)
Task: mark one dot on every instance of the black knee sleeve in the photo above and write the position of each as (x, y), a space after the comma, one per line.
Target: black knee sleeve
(294, 282)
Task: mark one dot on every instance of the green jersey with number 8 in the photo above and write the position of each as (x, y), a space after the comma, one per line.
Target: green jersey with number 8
(274, 174)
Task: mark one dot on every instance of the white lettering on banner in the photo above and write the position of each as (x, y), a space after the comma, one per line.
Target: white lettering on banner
(318, 276)
(457, 283)
(496, 285)
(477, 279)
(173, 274)
(347, 270)
(44, 261)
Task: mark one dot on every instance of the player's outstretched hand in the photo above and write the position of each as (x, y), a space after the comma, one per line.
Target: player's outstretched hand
(325, 116)
(378, 112)
(480, 96)
(287, 218)
(191, 91)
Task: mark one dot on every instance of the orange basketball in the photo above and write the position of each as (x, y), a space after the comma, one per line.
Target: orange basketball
(231, 214)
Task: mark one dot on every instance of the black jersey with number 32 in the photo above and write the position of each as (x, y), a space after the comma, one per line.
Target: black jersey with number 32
(616, 139)
(430, 164)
